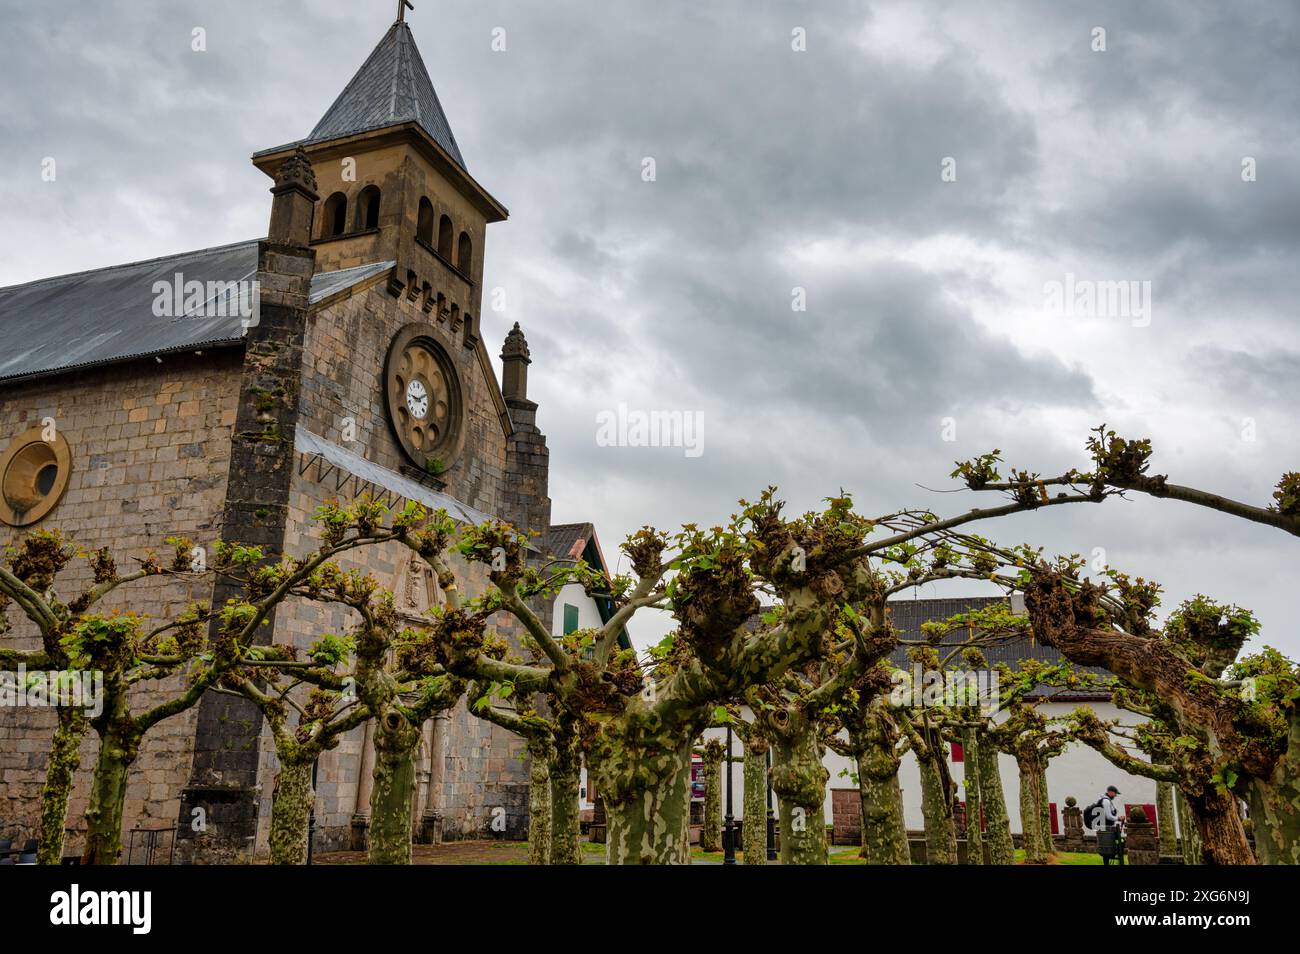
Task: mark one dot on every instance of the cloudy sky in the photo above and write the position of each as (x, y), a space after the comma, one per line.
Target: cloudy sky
(922, 171)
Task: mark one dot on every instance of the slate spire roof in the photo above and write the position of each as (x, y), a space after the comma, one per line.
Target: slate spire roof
(391, 87)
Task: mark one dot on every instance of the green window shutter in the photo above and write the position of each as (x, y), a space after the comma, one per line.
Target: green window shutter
(570, 618)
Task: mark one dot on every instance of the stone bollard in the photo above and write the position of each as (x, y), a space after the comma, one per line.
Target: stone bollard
(1072, 819)
(1143, 848)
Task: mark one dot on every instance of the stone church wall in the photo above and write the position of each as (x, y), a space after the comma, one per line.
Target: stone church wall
(150, 449)
(347, 343)
(480, 766)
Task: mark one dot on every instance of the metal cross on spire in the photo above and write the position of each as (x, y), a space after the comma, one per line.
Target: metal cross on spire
(402, 7)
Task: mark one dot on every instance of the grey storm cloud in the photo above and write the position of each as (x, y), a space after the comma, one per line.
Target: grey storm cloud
(775, 169)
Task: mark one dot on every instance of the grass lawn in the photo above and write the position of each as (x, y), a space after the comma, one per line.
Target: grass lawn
(516, 853)
(1066, 858)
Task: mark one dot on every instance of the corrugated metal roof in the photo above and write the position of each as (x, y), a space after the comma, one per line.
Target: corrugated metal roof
(391, 87)
(305, 442)
(107, 315)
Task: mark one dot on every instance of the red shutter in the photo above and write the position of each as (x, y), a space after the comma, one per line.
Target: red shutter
(958, 753)
(1051, 808)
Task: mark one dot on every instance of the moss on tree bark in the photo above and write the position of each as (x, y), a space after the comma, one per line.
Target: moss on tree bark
(566, 777)
(1031, 815)
(396, 742)
(711, 833)
(65, 759)
(1165, 818)
(974, 836)
(1045, 814)
(936, 809)
(540, 805)
(997, 823)
(291, 804)
(799, 781)
(884, 833)
(117, 753)
(755, 800)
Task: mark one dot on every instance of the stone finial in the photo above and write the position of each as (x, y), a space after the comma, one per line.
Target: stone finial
(296, 173)
(516, 345)
(515, 361)
(294, 205)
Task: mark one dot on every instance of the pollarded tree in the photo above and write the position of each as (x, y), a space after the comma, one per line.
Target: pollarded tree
(754, 798)
(28, 579)
(378, 670)
(323, 718)
(1109, 625)
(1120, 465)
(1026, 737)
(1180, 668)
(877, 745)
(801, 713)
(970, 711)
(1166, 757)
(554, 773)
(830, 703)
(712, 755)
(638, 743)
(199, 644)
(637, 737)
(1270, 692)
(537, 733)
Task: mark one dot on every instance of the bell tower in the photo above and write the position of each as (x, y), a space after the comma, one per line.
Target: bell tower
(393, 186)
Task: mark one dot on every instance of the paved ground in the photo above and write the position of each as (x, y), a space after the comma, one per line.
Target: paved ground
(463, 853)
(516, 853)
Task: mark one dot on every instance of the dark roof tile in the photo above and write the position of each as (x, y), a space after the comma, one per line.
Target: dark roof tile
(391, 87)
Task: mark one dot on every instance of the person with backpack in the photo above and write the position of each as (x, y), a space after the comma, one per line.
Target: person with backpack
(1109, 813)
(1102, 813)
(1103, 817)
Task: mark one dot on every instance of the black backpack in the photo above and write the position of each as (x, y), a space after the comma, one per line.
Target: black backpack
(1092, 815)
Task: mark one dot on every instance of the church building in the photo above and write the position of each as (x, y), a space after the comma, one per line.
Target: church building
(226, 393)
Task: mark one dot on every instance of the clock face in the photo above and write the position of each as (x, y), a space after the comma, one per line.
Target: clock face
(423, 395)
(417, 399)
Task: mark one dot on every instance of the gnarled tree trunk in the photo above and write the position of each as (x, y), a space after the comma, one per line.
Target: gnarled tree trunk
(396, 742)
(974, 814)
(65, 759)
(799, 780)
(1222, 836)
(711, 833)
(566, 778)
(884, 832)
(540, 806)
(1275, 805)
(997, 823)
(1031, 814)
(936, 808)
(755, 800)
(1189, 830)
(291, 805)
(117, 752)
